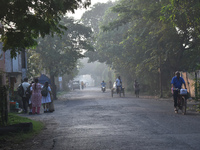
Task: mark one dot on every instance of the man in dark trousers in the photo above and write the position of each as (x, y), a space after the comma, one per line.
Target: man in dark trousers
(137, 88)
(177, 82)
(25, 100)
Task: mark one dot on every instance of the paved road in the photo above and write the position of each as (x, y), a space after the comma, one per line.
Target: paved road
(91, 120)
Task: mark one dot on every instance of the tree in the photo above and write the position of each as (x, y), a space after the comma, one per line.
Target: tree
(133, 40)
(149, 40)
(147, 44)
(95, 15)
(59, 55)
(185, 17)
(25, 21)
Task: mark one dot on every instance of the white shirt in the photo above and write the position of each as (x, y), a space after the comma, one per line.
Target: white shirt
(25, 85)
(47, 99)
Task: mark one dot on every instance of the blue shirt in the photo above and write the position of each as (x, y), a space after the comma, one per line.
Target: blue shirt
(103, 84)
(118, 82)
(177, 82)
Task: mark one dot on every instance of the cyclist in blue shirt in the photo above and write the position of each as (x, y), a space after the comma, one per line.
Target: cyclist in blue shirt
(177, 82)
(118, 84)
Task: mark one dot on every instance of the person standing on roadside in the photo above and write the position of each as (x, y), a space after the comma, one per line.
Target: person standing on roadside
(46, 100)
(36, 97)
(25, 100)
(30, 103)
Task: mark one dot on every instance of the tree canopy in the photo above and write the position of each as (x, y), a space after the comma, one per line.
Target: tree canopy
(26, 20)
(149, 40)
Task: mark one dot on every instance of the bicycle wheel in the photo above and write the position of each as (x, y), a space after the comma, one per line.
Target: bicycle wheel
(184, 105)
(179, 105)
(137, 94)
(120, 91)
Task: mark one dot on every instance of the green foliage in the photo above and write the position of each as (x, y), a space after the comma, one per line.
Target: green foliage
(25, 21)
(185, 16)
(59, 55)
(95, 15)
(140, 43)
(21, 137)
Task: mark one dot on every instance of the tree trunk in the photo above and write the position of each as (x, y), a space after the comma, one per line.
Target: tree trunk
(53, 86)
(160, 74)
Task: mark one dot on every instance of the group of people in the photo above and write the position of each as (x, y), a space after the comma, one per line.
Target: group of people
(136, 86)
(33, 97)
(176, 82)
(119, 85)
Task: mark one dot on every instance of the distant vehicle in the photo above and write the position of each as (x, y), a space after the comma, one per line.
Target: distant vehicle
(76, 85)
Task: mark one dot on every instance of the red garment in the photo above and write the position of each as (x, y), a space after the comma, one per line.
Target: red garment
(36, 95)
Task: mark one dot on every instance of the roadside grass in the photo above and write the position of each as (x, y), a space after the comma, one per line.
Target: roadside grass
(21, 136)
(60, 93)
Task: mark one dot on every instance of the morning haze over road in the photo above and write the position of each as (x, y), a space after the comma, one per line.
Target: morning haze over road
(144, 42)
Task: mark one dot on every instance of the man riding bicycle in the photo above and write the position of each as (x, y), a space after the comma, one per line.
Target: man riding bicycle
(177, 82)
(118, 84)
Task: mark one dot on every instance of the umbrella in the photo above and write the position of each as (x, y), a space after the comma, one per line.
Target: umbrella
(43, 78)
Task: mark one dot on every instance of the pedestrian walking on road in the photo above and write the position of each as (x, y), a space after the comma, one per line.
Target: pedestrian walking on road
(137, 88)
(82, 85)
(36, 97)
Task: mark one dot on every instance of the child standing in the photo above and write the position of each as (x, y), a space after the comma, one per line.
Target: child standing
(46, 99)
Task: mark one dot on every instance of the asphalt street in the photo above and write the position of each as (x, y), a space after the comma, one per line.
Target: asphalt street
(91, 120)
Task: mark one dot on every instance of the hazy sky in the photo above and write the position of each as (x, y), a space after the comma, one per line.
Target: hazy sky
(79, 12)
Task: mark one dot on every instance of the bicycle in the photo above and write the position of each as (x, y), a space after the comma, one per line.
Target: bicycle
(181, 100)
(118, 90)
